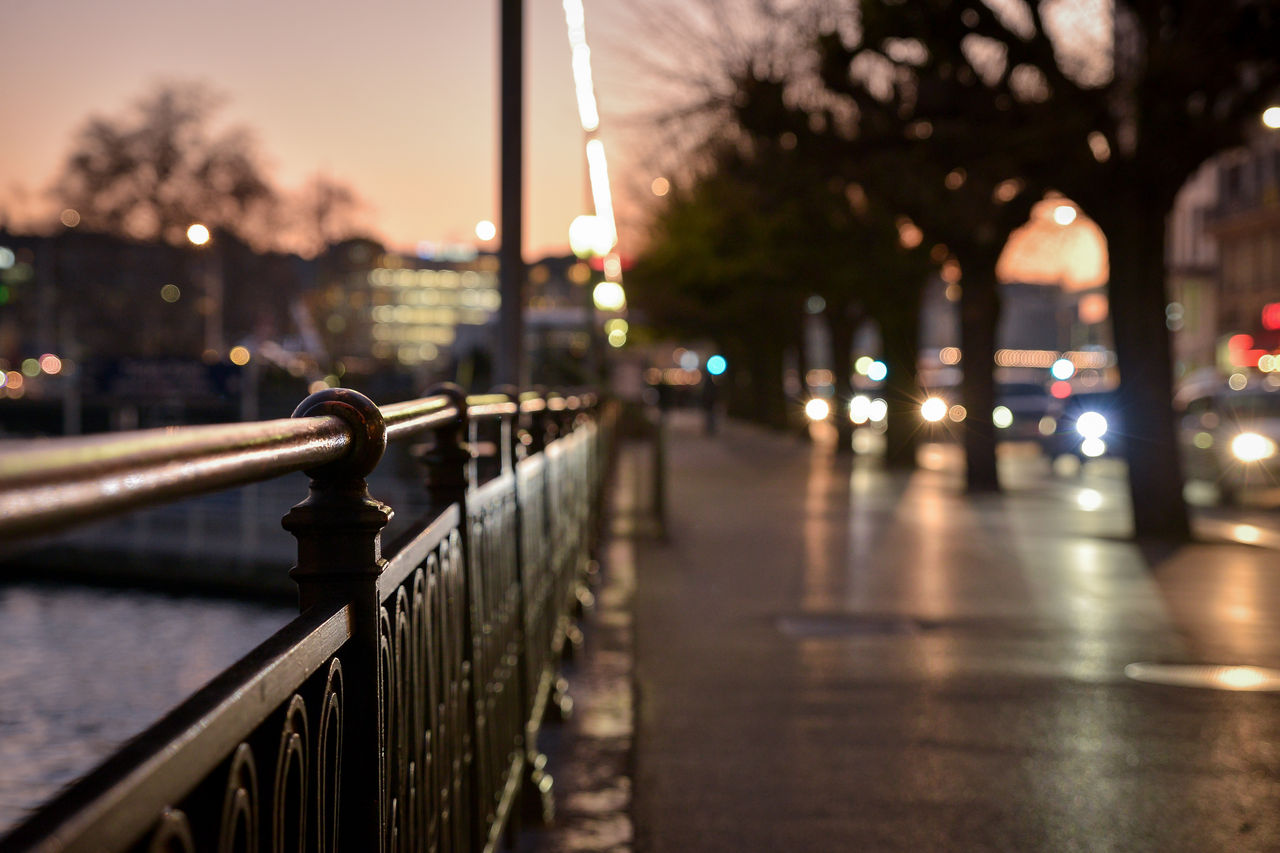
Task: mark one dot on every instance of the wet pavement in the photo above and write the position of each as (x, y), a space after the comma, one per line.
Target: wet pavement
(590, 753)
(834, 657)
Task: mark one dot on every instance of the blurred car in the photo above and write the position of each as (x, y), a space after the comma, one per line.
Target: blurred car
(1024, 411)
(1019, 413)
(1089, 426)
(1231, 437)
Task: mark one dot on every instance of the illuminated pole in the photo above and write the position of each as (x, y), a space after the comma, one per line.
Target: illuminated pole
(510, 367)
(211, 273)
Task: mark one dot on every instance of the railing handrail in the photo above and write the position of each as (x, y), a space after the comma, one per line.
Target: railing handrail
(50, 484)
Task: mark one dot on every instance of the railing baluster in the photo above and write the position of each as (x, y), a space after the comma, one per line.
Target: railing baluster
(338, 528)
(446, 458)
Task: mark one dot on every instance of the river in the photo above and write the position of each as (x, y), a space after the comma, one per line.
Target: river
(84, 669)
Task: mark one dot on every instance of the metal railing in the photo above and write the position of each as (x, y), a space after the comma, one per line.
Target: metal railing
(400, 710)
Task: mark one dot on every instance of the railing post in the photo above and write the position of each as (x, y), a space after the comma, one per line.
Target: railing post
(338, 528)
(537, 422)
(446, 457)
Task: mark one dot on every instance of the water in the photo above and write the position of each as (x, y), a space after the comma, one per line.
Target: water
(84, 669)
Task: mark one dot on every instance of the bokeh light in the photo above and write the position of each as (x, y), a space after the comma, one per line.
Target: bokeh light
(1089, 499)
(590, 235)
(1252, 447)
(933, 409)
(1091, 424)
(239, 356)
(609, 296)
(198, 234)
(860, 409)
(717, 364)
(486, 230)
(817, 409)
(170, 293)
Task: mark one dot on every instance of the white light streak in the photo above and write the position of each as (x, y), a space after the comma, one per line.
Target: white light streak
(584, 88)
(598, 170)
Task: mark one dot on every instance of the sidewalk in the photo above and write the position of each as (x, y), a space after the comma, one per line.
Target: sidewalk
(830, 657)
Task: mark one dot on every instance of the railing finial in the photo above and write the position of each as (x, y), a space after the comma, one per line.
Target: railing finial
(368, 431)
(338, 526)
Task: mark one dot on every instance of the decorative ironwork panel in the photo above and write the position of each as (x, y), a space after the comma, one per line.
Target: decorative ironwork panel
(496, 641)
(426, 692)
(278, 791)
(536, 546)
(249, 763)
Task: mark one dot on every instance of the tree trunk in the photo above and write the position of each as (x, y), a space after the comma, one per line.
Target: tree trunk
(979, 319)
(900, 336)
(1135, 237)
(800, 423)
(768, 400)
(842, 325)
(738, 381)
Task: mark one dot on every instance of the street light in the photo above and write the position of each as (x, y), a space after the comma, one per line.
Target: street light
(590, 235)
(199, 236)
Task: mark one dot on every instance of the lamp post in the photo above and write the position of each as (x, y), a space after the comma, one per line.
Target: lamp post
(199, 236)
(510, 366)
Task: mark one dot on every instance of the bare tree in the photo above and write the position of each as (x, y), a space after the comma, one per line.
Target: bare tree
(151, 171)
(324, 211)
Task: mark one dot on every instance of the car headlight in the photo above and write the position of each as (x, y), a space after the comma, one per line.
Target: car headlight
(817, 409)
(860, 409)
(1091, 424)
(1251, 447)
(1093, 447)
(933, 409)
(878, 410)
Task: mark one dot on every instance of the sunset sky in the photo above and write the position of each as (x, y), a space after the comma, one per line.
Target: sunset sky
(396, 98)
